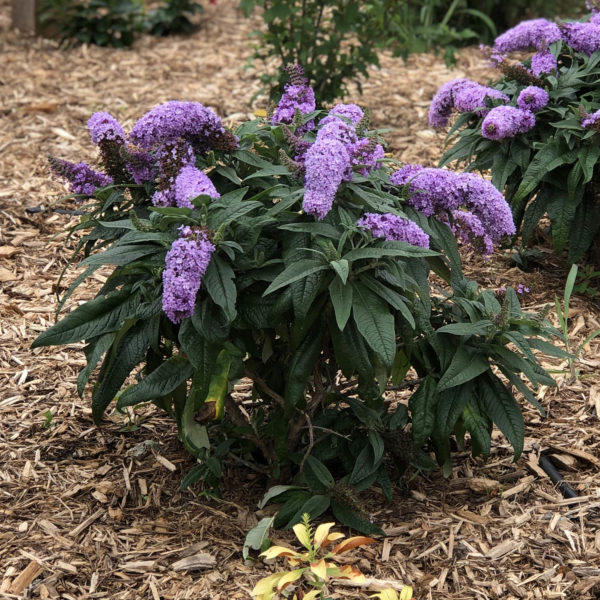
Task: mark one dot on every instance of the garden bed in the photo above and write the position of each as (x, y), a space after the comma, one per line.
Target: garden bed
(96, 512)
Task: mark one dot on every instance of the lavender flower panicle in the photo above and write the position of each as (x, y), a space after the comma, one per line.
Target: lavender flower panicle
(140, 165)
(82, 179)
(174, 120)
(543, 63)
(186, 263)
(535, 33)
(393, 227)
(591, 121)
(468, 228)
(327, 162)
(506, 121)
(463, 95)
(297, 96)
(353, 112)
(532, 98)
(190, 183)
(104, 127)
(440, 192)
(582, 37)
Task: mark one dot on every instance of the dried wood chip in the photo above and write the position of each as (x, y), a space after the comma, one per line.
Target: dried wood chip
(202, 560)
(165, 463)
(31, 571)
(8, 251)
(506, 547)
(578, 453)
(85, 524)
(472, 517)
(520, 487)
(138, 566)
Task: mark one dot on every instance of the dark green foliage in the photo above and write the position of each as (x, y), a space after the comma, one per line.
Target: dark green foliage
(114, 23)
(552, 169)
(292, 303)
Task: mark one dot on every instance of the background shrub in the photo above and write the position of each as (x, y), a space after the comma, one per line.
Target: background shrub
(114, 22)
(536, 129)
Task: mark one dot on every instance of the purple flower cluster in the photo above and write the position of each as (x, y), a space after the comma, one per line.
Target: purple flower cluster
(543, 62)
(190, 183)
(506, 121)
(186, 263)
(591, 121)
(440, 192)
(463, 95)
(535, 33)
(521, 289)
(326, 161)
(141, 166)
(329, 161)
(297, 96)
(172, 121)
(82, 179)
(468, 228)
(104, 127)
(393, 227)
(532, 98)
(582, 37)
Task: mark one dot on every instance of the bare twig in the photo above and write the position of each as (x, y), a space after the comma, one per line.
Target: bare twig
(263, 386)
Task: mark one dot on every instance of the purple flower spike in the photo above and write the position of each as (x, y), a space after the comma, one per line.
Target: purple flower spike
(582, 37)
(186, 263)
(190, 183)
(470, 230)
(169, 122)
(532, 98)
(82, 179)
(591, 121)
(327, 161)
(506, 121)
(393, 227)
(543, 63)
(297, 95)
(104, 127)
(349, 111)
(535, 33)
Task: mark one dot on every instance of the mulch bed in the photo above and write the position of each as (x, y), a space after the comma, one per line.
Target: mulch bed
(88, 512)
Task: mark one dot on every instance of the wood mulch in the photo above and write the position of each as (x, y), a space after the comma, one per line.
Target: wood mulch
(88, 512)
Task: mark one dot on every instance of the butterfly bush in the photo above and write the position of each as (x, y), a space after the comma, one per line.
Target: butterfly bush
(293, 252)
(536, 134)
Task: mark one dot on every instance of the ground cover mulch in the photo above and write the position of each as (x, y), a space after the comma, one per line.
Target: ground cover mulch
(88, 512)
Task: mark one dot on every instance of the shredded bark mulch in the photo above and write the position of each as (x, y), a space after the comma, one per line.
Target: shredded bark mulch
(96, 512)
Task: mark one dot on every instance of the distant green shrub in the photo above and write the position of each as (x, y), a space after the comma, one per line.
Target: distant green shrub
(114, 23)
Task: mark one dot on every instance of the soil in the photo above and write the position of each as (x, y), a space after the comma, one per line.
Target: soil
(96, 512)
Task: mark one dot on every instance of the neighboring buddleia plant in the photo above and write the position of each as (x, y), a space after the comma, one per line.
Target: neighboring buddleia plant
(536, 129)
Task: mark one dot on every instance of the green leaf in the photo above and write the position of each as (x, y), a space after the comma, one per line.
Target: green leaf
(317, 475)
(400, 367)
(503, 409)
(294, 272)
(314, 506)
(122, 254)
(274, 492)
(393, 298)
(422, 408)
(478, 427)
(257, 536)
(130, 350)
(348, 517)
(302, 366)
(341, 299)
(374, 322)
(588, 158)
(290, 508)
(479, 328)
(304, 293)
(162, 381)
(342, 268)
(399, 249)
(219, 281)
(464, 367)
(93, 354)
(548, 158)
(100, 315)
(450, 406)
(324, 229)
